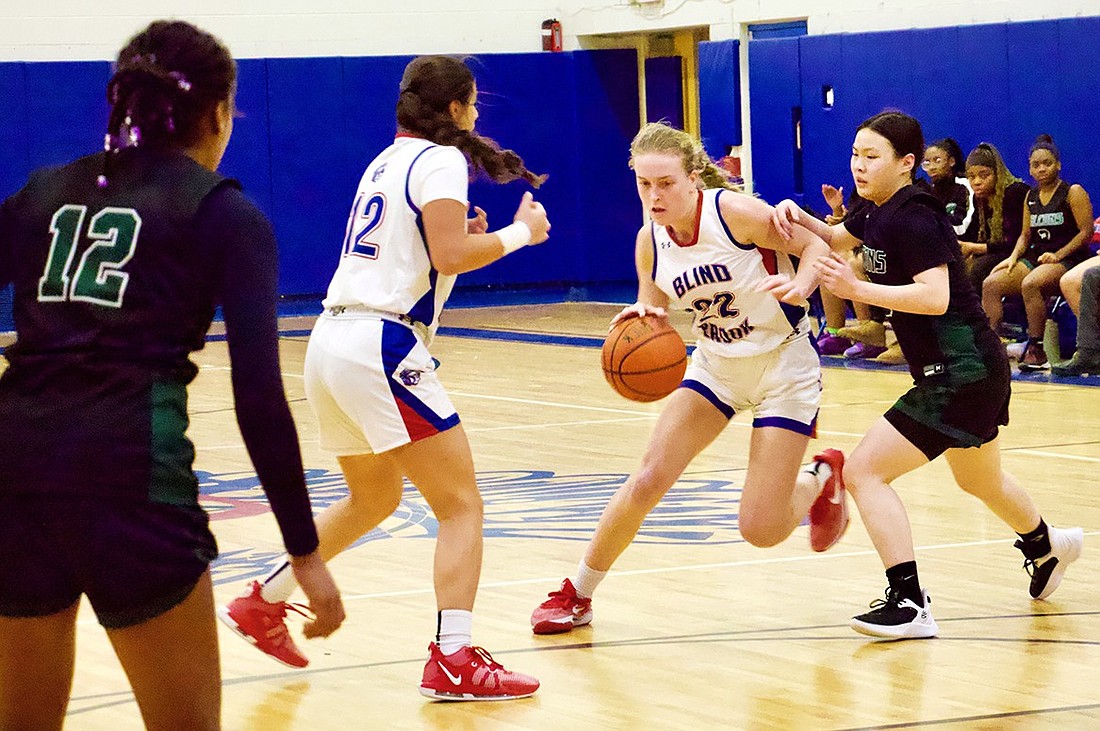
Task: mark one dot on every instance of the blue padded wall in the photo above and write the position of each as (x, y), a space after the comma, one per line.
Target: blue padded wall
(1078, 90)
(310, 195)
(248, 157)
(826, 137)
(775, 90)
(1024, 79)
(607, 211)
(14, 160)
(719, 96)
(527, 105)
(664, 90)
(66, 110)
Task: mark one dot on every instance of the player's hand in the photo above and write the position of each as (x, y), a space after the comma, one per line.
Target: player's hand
(785, 216)
(784, 289)
(836, 275)
(321, 592)
(638, 309)
(833, 196)
(1004, 265)
(533, 214)
(1049, 258)
(479, 223)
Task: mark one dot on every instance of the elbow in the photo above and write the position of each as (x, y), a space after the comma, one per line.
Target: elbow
(448, 268)
(939, 306)
(448, 264)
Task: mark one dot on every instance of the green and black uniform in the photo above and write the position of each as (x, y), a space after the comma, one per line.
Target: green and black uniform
(959, 367)
(115, 287)
(1052, 227)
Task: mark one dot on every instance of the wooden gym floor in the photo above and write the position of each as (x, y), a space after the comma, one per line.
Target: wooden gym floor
(694, 628)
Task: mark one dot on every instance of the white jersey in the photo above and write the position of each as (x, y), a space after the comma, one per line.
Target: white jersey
(384, 264)
(715, 277)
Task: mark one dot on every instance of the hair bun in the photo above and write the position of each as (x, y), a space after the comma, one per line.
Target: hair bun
(1044, 139)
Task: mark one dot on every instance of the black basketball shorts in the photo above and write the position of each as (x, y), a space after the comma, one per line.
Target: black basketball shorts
(134, 560)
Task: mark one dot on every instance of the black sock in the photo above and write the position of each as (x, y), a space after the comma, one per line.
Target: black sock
(1035, 544)
(903, 580)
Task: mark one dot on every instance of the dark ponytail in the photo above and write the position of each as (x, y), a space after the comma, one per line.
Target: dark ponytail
(428, 86)
(167, 79)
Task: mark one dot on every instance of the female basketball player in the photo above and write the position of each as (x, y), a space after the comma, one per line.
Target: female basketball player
(712, 251)
(960, 369)
(118, 260)
(1057, 225)
(372, 381)
(998, 219)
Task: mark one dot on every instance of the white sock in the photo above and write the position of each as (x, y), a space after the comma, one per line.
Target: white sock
(279, 584)
(821, 471)
(455, 630)
(587, 580)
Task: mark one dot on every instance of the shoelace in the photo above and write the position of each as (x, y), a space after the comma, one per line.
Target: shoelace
(1030, 564)
(560, 598)
(486, 658)
(892, 597)
(278, 631)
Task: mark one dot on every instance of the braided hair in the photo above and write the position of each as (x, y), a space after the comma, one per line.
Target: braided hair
(167, 79)
(428, 86)
(662, 137)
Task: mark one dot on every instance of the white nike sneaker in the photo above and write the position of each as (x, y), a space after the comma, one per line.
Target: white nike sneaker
(894, 618)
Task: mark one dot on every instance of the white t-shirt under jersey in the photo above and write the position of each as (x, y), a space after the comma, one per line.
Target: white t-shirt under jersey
(384, 264)
(715, 277)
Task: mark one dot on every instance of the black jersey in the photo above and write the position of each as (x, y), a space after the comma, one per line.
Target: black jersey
(1052, 225)
(955, 198)
(111, 274)
(114, 288)
(905, 236)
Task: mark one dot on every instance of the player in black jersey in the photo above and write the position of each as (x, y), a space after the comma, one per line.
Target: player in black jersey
(960, 372)
(118, 260)
(1057, 225)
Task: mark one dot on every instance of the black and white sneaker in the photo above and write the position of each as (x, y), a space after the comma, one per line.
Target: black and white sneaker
(1046, 573)
(894, 618)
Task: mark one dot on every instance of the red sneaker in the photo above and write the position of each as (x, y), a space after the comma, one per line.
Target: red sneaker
(471, 674)
(829, 513)
(563, 611)
(261, 623)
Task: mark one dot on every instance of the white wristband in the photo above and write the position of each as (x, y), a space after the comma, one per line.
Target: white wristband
(514, 236)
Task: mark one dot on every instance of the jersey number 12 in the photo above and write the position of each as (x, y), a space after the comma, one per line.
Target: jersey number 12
(98, 276)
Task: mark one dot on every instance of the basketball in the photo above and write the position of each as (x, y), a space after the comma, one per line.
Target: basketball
(644, 358)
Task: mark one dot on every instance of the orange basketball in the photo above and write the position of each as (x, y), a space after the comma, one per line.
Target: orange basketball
(644, 359)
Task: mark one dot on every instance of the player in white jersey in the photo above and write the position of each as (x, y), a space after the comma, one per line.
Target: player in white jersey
(371, 380)
(714, 252)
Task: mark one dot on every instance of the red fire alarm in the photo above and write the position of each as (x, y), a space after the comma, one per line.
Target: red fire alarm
(551, 35)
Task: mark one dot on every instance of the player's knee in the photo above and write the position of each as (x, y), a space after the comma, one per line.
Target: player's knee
(647, 486)
(466, 506)
(758, 530)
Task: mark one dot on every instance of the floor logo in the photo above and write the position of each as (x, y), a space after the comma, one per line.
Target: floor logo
(518, 504)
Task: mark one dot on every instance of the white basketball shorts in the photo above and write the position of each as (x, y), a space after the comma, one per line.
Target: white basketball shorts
(372, 384)
(782, 388)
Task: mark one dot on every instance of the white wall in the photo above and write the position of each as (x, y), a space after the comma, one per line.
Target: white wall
(96, 29)
(51, 30)
(588, 17)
